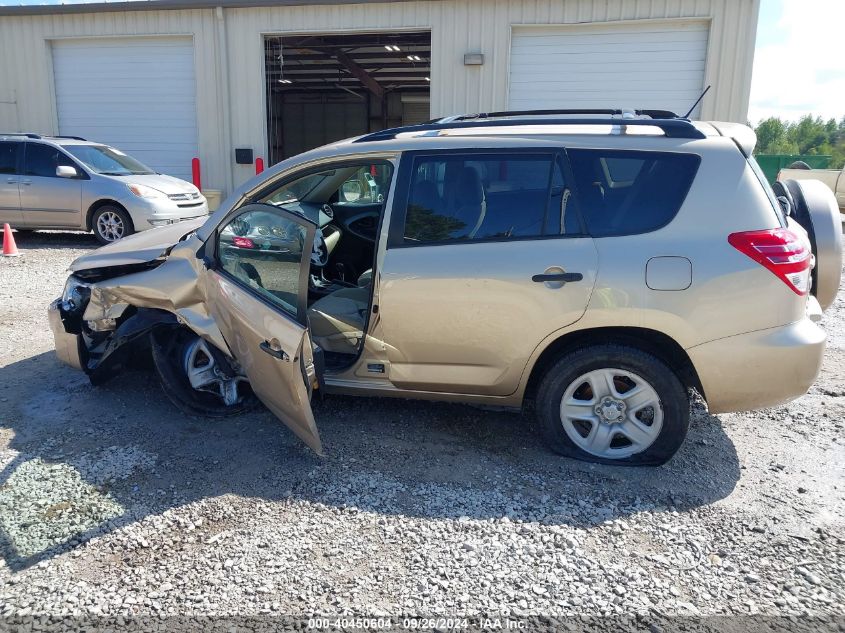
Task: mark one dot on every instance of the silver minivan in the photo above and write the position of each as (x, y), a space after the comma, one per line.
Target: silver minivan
(70, 183)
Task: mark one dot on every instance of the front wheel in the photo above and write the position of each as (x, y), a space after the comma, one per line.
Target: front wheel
(613, 404)
(110, 223)
(196, 378)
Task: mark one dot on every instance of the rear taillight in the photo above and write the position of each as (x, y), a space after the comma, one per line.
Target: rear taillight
(783, 252)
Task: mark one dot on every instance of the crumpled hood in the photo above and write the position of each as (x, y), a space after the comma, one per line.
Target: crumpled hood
(166, 184)
(139, 248)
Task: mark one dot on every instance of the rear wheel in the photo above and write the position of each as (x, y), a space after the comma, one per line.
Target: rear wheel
(110, 223)
(613, 404)
(197, 378)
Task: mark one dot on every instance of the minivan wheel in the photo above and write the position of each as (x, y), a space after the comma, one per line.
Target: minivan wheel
(194, 378)
(613, 404)
(110, 223)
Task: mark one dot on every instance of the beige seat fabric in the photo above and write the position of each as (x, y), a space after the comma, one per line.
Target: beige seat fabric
(366, 278)
(337, 320)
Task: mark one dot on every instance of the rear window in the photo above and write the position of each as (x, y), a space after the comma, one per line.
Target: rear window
(761, 177)
(627, 192)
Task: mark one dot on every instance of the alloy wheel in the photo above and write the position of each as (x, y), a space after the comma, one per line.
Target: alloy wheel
(110, 226)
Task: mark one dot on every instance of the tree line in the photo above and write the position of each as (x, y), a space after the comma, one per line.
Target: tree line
(809, 135)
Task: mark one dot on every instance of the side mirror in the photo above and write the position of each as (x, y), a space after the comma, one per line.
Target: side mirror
(351, 190)
(784, 205)
(66, 171)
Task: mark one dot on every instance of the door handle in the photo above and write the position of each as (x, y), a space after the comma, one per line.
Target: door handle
(274, 350)
(11, 181)
(564, 277)
(26, 182)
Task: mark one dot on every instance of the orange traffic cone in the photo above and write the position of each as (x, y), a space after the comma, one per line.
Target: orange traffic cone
(10, 249)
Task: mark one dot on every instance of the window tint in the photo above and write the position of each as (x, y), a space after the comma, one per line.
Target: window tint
(42, 160)
(624, 193)
(264, 251)
(8, 157)
(483, 196)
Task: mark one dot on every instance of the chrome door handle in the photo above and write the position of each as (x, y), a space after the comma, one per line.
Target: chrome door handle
(26, 182)
(274, 350)
(11, 181)
(564, 277)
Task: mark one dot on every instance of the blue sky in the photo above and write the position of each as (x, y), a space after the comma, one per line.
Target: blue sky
(799, 65)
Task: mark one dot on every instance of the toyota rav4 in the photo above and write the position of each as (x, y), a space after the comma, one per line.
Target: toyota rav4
(602, 265)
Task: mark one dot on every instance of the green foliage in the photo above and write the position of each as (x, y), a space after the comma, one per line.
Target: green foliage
(809, 135)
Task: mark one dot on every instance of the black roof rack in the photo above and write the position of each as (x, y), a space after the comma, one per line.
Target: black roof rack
(672, 125)
(654, 114)
(33, 135)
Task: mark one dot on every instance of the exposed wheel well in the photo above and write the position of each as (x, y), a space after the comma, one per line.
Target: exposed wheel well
(101, 203)
(656, 343)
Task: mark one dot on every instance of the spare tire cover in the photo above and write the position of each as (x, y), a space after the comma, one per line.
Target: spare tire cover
(815, 209)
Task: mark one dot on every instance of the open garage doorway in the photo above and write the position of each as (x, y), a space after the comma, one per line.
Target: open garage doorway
(323, 88)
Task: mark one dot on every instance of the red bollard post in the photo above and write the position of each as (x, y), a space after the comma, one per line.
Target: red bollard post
(259, 165)
(195, 173)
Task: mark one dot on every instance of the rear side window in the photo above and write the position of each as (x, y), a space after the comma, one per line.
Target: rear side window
(497, 196)
(8, 157)
(625, 193)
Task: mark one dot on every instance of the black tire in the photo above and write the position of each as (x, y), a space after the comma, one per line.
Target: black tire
(128, 227)
(673, 399)
(168, 349)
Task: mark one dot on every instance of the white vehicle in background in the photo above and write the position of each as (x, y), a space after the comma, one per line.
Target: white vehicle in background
(60, 182)
(834, 179)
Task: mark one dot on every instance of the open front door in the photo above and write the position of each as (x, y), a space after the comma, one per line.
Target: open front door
(257, 294)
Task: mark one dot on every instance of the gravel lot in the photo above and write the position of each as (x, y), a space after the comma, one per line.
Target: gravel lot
(112, 502)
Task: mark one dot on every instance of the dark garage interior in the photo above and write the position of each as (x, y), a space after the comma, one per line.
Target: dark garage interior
(322, 88)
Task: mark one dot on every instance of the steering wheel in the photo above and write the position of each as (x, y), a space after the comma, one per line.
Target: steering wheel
(349, 225)
(320, 252)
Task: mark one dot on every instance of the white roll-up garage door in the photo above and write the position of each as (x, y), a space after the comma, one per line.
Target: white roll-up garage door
(137, 94)
(654, 65)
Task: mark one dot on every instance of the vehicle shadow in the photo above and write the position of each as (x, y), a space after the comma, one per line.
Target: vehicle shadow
(55, 239)
(79, 462)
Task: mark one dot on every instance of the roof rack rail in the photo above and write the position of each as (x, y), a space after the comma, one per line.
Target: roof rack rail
(26, 134)
(672, 128)
(654, 114)
(75, 138)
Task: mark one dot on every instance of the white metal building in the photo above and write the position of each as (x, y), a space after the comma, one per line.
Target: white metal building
(167, 80)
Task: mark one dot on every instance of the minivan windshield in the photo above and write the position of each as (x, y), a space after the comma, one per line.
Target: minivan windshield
(108, 160)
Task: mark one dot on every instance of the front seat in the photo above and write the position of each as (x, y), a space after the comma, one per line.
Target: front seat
(468, 201)
(337, 320)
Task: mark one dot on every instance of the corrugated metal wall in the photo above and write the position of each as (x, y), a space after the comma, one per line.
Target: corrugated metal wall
(229, 52)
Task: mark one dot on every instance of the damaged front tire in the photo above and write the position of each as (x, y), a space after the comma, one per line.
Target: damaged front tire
(196, 377)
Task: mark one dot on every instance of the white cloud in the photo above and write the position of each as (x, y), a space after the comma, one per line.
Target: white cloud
(804, 71)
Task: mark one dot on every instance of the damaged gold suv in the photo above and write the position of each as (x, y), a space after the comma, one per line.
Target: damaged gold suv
(601, 265)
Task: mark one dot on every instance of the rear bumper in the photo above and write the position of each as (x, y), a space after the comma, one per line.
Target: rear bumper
(759, 369)
(67, 345)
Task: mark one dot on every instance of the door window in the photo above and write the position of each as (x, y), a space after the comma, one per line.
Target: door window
(42, 160)
(461, 197)
(263, 249)
(9, 157)
(626, 192)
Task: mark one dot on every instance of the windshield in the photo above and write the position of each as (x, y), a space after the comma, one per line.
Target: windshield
(108, 160)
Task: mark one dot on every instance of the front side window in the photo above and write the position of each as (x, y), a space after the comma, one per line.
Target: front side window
(484, 196)
(108, 160)
(263, 250)
(42, 160)
(9, 157)
(630, 192)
